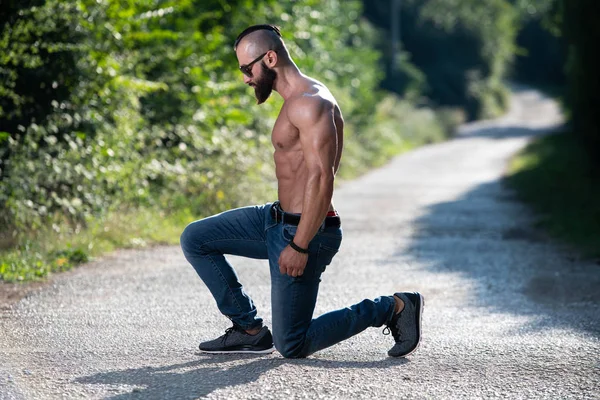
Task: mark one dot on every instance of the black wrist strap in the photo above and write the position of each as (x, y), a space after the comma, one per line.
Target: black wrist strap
(298, 248)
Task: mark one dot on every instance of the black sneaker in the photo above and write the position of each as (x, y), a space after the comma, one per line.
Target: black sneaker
(406, 325)
(237, 340)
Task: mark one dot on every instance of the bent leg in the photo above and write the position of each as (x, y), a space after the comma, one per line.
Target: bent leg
(238, 232)
(293, 299)
(293, 302)
(295, 332)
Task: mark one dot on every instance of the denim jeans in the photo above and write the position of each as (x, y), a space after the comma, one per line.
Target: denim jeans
(253, 232)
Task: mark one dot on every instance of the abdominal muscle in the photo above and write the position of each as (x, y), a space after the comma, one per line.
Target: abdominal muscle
(291, 180)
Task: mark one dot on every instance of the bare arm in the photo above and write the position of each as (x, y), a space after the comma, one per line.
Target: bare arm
(314, 118)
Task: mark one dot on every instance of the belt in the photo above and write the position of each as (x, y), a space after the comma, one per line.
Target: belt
(294, 219)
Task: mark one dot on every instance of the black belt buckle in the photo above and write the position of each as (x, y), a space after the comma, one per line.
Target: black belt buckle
(293, 219)
(283, 217)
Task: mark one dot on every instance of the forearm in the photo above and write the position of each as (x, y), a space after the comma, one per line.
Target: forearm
(317, 199)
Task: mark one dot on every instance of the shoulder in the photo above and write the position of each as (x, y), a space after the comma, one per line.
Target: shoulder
(308, 108)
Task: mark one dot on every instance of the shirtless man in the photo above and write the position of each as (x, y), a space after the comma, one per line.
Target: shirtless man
(299, 234)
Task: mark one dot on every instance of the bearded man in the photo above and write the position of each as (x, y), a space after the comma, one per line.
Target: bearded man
(299, 234)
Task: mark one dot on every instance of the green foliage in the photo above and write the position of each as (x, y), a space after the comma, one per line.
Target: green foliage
(397, 127)
(541, 50)
(109, 105)
(30, 262)
(554, 175)
(52, 249)
(143, 100)
(543, 10)
(463, 48)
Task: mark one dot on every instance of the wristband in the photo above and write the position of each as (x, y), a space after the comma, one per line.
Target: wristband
(298, 248)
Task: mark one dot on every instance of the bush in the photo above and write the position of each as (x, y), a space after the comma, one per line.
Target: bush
(143, 105)
(111, 106)
(554, 175)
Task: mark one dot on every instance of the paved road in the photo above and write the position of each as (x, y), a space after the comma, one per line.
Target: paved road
(509, 314)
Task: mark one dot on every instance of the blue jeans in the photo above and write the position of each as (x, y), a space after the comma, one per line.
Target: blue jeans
(253, 232)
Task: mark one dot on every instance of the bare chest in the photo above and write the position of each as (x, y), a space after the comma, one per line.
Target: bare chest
(285, 136)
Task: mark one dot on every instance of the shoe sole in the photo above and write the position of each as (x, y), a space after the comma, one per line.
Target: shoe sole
(419, 317)
(266, 351)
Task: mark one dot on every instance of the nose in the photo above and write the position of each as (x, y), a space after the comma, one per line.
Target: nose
(247, 79)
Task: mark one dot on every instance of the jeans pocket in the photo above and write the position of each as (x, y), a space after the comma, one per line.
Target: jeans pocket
(325, 255)
(288, 232)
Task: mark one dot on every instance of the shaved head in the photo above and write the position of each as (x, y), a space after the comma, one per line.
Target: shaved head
(258, 39)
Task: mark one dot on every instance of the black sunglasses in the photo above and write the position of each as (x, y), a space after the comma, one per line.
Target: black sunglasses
(247, 68)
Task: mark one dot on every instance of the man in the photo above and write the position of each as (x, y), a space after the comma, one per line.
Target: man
(299, 234)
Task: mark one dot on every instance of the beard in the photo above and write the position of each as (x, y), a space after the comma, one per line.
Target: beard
(264, 86)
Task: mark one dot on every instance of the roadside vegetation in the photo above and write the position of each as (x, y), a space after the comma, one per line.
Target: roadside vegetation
(120, 122)
(123, 121)
(559, 175)
(554, 175)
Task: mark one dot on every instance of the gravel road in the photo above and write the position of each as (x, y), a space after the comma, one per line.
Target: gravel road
(509, 313)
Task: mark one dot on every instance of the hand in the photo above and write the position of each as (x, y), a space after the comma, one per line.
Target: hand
(292, 262)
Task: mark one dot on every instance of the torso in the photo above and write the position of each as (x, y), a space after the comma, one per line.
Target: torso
(290, 166)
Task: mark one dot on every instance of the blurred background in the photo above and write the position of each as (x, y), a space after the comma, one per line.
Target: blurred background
(121, 121)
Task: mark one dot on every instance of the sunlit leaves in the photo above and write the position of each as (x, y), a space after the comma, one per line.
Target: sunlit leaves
(153, 110)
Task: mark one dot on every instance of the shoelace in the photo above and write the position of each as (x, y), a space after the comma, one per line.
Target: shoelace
(228, 332)
(387, 331)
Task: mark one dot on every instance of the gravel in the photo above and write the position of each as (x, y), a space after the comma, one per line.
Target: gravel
(509, 313)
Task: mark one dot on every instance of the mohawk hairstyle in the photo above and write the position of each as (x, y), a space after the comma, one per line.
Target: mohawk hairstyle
(255, 28)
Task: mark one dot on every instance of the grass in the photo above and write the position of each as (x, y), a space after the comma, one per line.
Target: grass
(56, 250)
(554, 175)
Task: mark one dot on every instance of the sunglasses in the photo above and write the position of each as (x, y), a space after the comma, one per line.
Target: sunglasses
(247, 68)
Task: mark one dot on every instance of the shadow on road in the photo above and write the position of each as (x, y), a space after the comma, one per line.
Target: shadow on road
(199, 378)
(512, 267)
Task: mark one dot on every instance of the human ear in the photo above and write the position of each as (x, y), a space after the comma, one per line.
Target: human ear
(272, 58)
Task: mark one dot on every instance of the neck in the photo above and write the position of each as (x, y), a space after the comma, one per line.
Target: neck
(288, 79)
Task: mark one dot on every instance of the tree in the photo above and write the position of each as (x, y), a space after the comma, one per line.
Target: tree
(463, 48)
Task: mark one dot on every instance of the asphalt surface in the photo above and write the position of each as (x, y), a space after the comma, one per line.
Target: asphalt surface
(508, 314)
